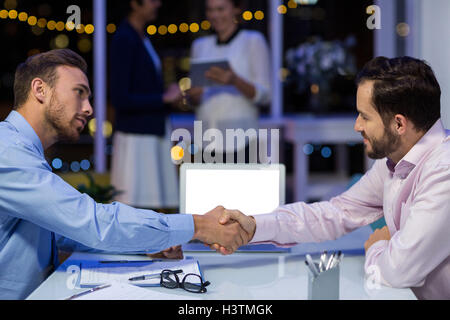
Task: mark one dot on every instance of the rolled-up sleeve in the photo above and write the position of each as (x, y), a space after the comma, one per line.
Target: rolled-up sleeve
(33, 193)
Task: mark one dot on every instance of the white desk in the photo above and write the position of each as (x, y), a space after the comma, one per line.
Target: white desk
(242, 276)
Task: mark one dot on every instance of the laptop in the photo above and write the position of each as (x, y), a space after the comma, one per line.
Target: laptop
(251, 188)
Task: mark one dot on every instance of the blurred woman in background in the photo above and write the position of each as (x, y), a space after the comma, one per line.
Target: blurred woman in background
(141, 163)
(241, 89)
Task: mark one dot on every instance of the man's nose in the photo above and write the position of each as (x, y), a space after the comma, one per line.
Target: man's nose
(87, 108)
(358, 126)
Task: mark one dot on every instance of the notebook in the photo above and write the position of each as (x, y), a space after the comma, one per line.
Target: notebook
(95, 273)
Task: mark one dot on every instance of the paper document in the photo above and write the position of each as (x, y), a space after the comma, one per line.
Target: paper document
(94, 273)
(124, 291)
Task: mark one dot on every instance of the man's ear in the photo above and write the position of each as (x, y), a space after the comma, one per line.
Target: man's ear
(39, 90)
(400, 123)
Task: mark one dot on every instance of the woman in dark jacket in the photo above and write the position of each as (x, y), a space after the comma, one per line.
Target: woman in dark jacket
(141, 163)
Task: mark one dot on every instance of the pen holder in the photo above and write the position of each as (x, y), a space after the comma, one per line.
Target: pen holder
(325, 286)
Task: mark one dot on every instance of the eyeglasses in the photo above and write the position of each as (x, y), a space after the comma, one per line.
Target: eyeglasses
(191, 282)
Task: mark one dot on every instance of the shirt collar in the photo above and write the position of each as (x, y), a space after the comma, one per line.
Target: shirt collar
(23, 127)
(230, 38)
(429, 141)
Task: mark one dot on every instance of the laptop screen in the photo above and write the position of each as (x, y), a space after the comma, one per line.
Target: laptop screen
(252, 189)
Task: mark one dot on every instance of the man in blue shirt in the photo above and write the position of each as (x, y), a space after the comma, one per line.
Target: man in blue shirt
(52, 104)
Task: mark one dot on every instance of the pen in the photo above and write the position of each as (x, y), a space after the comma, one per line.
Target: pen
(311, 264)
(129, 261)
(337, 260)
(150, 276)
(311, 269)
(88, 291)
(145, 277)
(330, 261)
(323, 258)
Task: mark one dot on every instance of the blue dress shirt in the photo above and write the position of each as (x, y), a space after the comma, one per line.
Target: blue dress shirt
(37, 206)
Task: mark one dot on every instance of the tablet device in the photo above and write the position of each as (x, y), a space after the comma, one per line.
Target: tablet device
(199, 68)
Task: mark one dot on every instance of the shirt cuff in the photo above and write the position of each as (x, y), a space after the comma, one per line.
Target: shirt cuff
(374, 251)
(266, 227)
(261, 94)
(181, 228)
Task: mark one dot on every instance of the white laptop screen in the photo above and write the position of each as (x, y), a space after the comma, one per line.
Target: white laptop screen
(252, 191)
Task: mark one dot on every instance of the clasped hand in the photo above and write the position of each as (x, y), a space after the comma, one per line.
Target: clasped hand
(224, 230)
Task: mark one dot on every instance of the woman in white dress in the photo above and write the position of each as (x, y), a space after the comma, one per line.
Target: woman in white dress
(233, 104)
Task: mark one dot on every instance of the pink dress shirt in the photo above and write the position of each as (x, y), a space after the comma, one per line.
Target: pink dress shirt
(414, 198)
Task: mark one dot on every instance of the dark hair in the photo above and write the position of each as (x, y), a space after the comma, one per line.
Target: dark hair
(237, 3)
(129, 8)
(404, 86)
(43, 65)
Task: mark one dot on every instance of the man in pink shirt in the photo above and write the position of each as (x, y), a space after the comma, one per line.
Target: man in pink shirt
(398, 102)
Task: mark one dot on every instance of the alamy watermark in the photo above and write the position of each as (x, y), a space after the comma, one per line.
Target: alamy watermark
(374, 21)
(209, 146)
(75, 17)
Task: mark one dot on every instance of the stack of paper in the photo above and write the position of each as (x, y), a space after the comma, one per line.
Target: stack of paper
(94, 273)
(123, 291)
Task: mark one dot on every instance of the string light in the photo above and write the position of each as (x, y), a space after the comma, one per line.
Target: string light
(206, 25)
(151, 30)
(282, 9)
(111, 28)
(162, 30)
(172, 28)
(194, 27)
(184, 27)
(23, 16)
(259, 15)
(247, 15)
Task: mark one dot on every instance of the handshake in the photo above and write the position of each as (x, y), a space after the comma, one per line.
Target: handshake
(224, 230)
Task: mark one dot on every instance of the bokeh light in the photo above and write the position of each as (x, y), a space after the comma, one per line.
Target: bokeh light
(23, 16)
(403, 29)
(172, 28)
(57, 163)
(206, 25)
(75, 166)
(85, 45)
(259, 15)
(184, 27)
(308, 149)
(62, 41)
(185, 84)
(32, 20)
(151, 30)
(162, 30)
(247, 15)
(111, 28)
(194, 27)
(326, 152)
(85, 165)
(89, 29)
(12, 14)
(177, 153)
(282, 9)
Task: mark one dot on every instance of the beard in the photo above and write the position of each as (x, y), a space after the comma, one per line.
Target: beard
(381, 148)
(56, 117)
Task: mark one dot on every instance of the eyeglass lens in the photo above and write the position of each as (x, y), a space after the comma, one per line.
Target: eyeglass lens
(191, 282)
